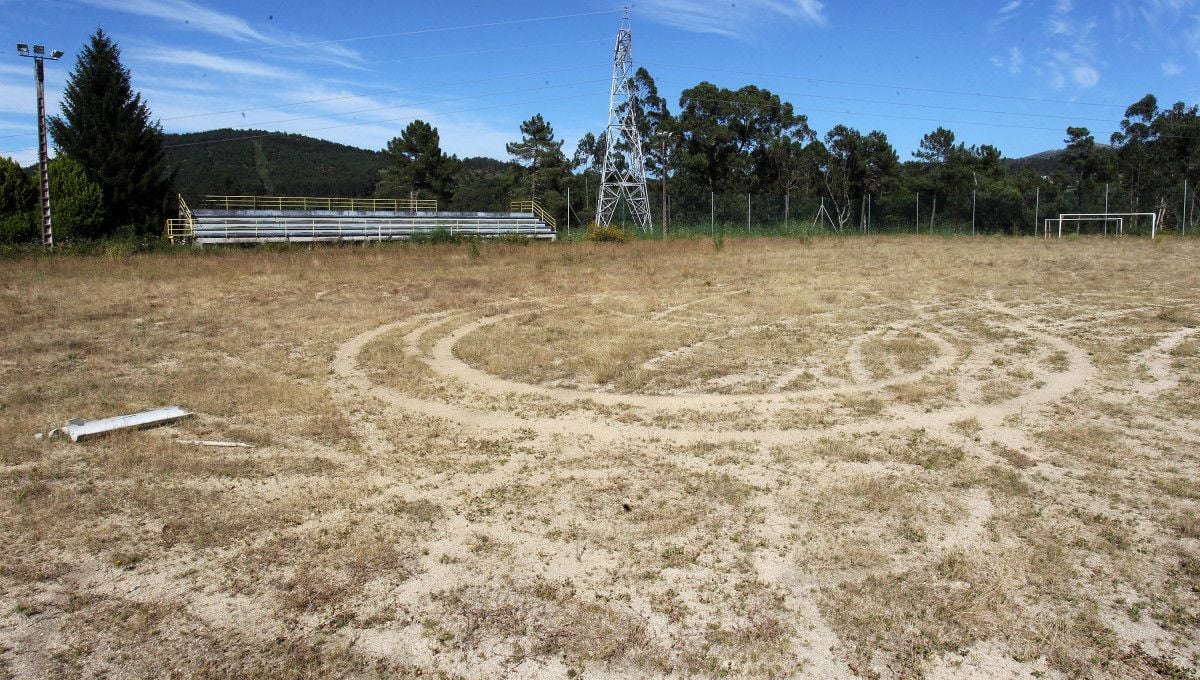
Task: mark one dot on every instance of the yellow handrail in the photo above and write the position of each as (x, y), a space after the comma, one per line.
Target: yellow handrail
(184, 226)
(312, 203)
(178, 229)
(537, 210)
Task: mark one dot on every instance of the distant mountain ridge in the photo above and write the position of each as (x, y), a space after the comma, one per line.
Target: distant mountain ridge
(255, 163)
(1046, 162)
(1043, 162)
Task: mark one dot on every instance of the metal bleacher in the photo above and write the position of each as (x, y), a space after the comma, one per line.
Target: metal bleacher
(267, 219)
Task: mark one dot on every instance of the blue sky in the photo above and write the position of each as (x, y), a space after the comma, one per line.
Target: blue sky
(1014, 73)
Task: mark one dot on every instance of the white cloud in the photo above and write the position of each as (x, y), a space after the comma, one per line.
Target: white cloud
(18, 98)
(461, 133)
(190, 15)
(732, 19)
(1013, 62)
(1085, 76)
(1005, 14)
(1016, 60)
(211, 62)
(1171, 69)
(1071, 57)
(186, 13)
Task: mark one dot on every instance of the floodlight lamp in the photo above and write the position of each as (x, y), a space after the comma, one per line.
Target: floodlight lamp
(23, 48)
(56, 54)
(39, 49)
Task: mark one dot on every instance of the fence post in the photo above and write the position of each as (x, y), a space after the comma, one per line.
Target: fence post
(918, 220)
(712, 223)
(1037, 209)
(747, 213)
(1183, 217)
(1191, 209)
(568, 213)
(973, 212)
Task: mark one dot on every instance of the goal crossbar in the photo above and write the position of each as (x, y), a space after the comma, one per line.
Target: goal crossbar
(1107, 218)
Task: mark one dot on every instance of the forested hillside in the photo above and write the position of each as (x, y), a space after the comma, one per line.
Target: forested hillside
(256, 163)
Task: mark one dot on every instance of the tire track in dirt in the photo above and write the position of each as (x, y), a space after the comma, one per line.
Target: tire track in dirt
(442, 360)
(1157, 359)
(587, 429)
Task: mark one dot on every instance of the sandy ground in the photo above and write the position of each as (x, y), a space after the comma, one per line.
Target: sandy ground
(863, 458)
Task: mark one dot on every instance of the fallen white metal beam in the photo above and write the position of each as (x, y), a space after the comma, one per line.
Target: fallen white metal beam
(79, 429)
(206, 442)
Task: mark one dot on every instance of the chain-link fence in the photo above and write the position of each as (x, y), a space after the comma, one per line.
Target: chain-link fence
(1006, 211)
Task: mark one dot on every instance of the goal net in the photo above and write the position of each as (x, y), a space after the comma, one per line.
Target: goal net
(1107, 224)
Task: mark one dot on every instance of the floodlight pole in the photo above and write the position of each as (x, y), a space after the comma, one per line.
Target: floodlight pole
(39, 55)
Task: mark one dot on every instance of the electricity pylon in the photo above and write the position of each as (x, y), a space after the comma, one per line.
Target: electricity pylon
(624, 169)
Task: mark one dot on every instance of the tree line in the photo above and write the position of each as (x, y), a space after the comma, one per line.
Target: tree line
(109, 176)
(750, 141)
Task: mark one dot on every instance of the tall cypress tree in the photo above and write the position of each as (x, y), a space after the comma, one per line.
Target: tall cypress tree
(105, 127)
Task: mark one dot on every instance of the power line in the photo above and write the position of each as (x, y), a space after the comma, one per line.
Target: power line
(852, 83)
(933, 106)
(499, 50)
(392, 120)
(394, 90)
(849, 112)
(423, 31)
(424, 103)
(379, 92)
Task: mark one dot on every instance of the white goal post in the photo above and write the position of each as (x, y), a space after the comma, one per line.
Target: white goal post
(1117, 220)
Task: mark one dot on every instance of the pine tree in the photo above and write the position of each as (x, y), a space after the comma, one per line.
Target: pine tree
(542, 155)
(417, 167)
(105, 126)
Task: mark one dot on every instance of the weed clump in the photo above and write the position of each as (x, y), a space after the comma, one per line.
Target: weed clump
(609, 234)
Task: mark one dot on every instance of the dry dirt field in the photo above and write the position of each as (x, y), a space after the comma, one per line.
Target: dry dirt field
(855, 457)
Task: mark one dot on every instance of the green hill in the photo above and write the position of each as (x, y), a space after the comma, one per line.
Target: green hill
(256, 163)
(1043, 163)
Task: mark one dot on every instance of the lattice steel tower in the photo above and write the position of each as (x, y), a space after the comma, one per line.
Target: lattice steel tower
(624, 170)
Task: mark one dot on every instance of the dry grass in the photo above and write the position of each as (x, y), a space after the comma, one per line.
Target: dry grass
(883, 457)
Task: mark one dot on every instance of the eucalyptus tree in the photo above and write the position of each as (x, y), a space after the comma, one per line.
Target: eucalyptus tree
(726, 136)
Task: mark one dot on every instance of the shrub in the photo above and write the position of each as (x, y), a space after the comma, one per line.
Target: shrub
(611, 234)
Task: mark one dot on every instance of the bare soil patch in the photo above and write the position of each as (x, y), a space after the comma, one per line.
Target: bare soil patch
(884, 457)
